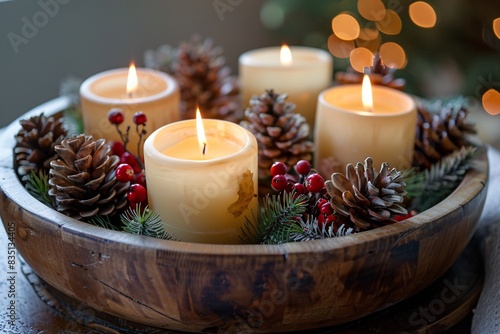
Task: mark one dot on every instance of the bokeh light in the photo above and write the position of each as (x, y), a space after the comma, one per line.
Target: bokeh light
(496, 27)
(393, 55)
(339, 47)
(422, 14)
(345, 27)
(372, 10)
(272, 15)
(391, 23)
(368, 33)
(372, 45)
(491, 102)
(361, 58)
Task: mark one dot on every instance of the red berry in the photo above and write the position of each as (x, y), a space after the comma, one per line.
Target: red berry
(326, 209)
(128, 158)
(320, 202)
(137, 169)
(279, 182)
(303, 167)
(322, 221)
(314, 183)
(117, 148)
(299, 188)
(140, 178)
(139, 118)
(137, 193)
(124, 173)
(278, 168)
(115, 116)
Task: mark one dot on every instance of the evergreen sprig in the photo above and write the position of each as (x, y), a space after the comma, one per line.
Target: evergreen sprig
(428, 187)
(38, 186)
(144, 222)
(73, 121)
(277, 219)
(104, 222)
(454, 103)
(311, 230)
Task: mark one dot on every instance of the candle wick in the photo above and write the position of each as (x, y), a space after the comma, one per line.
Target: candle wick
(204, 148)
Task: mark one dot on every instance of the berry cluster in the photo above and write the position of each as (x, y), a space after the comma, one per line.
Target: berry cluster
(307, 182)
(281, 181)
(131, 167)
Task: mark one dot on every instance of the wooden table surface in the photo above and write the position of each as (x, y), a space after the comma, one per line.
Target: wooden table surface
(28, 305)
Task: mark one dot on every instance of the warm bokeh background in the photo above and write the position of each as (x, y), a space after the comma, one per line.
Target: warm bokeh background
(43, 42)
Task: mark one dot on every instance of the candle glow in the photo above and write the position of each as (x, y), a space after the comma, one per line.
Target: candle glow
(132, 82)
(200, 131)
(366, 94)
(285, 56)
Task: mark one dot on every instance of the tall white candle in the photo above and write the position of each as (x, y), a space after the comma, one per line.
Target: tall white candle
(156, 95)
(303, 77)
(350, 133)
(202, 197)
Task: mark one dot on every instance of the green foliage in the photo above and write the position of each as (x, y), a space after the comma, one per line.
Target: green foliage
(104, 222)
(144, 222)
(38, 186)
(429, 187)
(73, 122)
(311, 230)
(454, 103)
(278, 219)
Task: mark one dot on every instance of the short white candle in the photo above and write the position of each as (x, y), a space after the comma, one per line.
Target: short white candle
(202, 198)
(308, 73)
(157, 96)
(350, 134)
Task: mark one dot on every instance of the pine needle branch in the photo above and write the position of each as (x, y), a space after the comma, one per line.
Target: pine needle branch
(104, 222)
(38, 186)
(311, 230)
(277, 219)
(144, 222)
(429, 187)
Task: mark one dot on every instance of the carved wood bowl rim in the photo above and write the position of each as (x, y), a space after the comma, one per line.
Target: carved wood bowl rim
(20, 204)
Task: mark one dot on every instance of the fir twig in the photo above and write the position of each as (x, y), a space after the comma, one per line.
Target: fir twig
(277, 219)
(104, 222)
(144, 222)
(311, 230)
(38, 186)
(73, 122)
(429, 187)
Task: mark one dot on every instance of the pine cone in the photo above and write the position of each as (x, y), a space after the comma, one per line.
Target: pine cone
(36, 140)
(379, 75)
(369, 199)
(441, 129)
(205, 81)
(282, 135)
(83, 180)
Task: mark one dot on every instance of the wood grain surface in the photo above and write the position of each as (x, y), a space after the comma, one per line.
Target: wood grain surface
(220, 288)
(39, 308)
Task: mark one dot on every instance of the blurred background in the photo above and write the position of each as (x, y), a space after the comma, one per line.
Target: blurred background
(442, 48)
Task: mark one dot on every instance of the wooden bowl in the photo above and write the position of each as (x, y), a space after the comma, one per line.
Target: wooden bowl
(200, 287)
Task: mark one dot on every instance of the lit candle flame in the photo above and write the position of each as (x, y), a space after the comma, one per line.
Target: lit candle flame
(366, 94)
(202, 140)
(285, 55)
(132, 83)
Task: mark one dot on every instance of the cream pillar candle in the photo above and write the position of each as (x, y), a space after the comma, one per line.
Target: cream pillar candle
(303, 77)
(156, 94)
(202, 197)
(350, 134)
